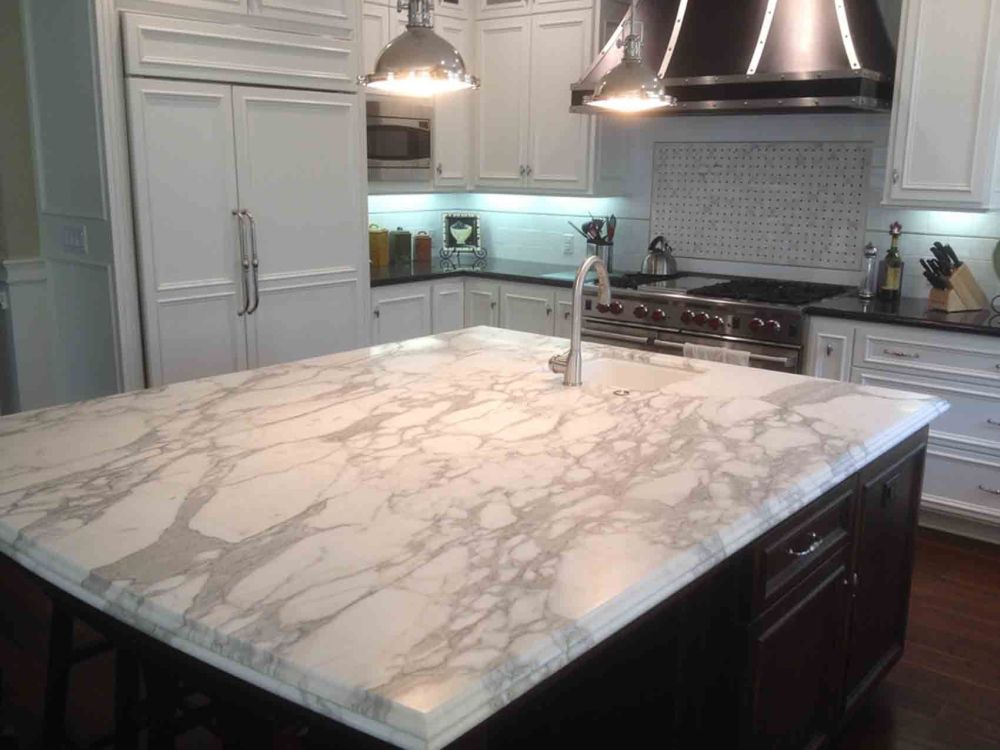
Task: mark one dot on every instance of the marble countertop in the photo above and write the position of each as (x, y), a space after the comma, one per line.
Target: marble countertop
(909, 311)
(408, 537)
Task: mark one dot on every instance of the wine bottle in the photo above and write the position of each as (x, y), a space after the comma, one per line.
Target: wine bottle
(892, 280)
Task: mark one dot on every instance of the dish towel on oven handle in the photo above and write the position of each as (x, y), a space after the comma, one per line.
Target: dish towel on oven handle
(717, 354)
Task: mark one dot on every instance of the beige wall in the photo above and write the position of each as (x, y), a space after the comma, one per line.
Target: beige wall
(18, 209)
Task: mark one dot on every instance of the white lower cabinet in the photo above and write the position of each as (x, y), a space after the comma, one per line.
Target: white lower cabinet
(400, 312)
(447, 305)
(962, 477)
(482, 303)
(527, 307)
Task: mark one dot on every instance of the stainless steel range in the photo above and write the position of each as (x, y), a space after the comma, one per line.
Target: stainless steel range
(657, 313)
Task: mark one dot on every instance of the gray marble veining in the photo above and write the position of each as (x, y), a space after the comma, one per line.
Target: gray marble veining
(408, 537)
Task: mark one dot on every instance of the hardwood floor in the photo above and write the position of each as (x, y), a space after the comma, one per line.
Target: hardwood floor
(943, 695)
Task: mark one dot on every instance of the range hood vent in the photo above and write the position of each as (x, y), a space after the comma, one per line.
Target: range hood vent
(725, 56)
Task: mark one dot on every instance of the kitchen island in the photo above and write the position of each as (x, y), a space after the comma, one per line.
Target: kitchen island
(415, 539)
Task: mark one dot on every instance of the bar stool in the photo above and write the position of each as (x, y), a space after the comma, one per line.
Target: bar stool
(64, 654)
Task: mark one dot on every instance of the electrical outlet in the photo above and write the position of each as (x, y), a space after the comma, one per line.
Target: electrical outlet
(74, 239)
(567, 244)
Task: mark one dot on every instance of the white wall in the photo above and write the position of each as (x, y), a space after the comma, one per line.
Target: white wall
(62, 314)
(532, 228)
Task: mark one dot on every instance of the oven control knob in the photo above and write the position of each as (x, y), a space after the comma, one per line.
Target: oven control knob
(659, 315)
(640, 311)
(756, 324)
(715, 322)
(686, 317)
(700, 318)
(602, 308)
(616, 308)
(772, 326)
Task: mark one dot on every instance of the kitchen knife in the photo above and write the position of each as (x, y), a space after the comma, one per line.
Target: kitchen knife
(932, 276)
(942, 259)
(955, 262)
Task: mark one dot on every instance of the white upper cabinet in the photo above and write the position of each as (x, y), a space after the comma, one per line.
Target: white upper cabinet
(493, 8)
(299, 166)
(503, 48)
(943, 148)
(559, 141)
(375, 33)
(526, 135)
(321, 12)
(453, 115)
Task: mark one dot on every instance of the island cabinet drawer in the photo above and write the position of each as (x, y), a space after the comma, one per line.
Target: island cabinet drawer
(973, 420)
(963, 356)
(790, 552)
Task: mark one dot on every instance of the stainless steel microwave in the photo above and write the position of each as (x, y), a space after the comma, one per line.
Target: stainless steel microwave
(399, 140)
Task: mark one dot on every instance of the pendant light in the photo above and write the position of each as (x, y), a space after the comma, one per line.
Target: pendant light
(630, 86)
(418, 62)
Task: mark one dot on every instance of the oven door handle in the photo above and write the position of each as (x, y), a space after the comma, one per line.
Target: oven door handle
(783, 361)
(617, 337)
(786, 362)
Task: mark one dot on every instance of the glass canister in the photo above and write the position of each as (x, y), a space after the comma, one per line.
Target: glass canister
(400, 247)
(868, 287)
(378, 245)
(422, 250)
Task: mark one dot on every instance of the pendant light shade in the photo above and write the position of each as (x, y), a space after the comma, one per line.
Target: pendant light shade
(418, 62)
(630, 86)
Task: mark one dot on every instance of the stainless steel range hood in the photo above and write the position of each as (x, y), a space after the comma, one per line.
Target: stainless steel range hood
(725, 56)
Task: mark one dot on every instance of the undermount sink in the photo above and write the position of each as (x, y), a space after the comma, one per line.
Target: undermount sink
(629, 376)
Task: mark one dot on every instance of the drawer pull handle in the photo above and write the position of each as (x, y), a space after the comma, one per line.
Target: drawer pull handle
(829, 349)
(815, 540)
(902, 355)
(994, 422)
(990, 490)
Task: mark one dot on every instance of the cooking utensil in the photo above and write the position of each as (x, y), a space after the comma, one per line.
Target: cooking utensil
(937, 250)
(934, 278)
(578, 230)
(659, 260)
(955, 262)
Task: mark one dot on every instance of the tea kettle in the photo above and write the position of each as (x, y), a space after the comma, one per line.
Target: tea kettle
(660, 260)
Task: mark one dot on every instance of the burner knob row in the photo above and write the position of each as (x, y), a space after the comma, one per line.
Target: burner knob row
(771, 326)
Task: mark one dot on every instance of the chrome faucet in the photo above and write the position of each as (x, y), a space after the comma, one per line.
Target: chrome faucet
(571, 363)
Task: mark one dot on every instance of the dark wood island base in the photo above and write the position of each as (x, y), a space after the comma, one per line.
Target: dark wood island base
(773, 648)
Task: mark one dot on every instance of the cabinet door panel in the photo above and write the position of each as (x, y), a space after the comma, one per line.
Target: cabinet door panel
(830, 348)
(944, 131)
(448, 306)
(453, 115)
(797, 663)
(401, 313)
(527, 308)
(374, 33)
(887, 514)
(325, 12)
(298, 162)
(502, 127)
(559, 145)
(482, 304)
(184, 177)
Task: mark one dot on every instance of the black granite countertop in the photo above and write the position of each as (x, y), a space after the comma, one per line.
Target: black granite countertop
(910, 311)
(491, 268)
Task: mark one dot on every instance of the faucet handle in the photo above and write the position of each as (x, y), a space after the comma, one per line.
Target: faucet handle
(559, 362)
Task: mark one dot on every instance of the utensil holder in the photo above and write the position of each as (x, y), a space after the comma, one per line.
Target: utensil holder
(963, 294)
(603, 250)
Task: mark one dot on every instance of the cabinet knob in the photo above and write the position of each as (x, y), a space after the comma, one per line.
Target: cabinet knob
(375, 312)
(439, 169)
(529, 170)
(895, 176)
(829, 349)
(493, 305)
(548, 310)
(567, 315)
(523, 170)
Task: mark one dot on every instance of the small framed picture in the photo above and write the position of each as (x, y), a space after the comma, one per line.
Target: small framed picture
(460, 234)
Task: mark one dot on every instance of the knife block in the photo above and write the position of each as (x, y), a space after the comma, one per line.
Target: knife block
(963, 294)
